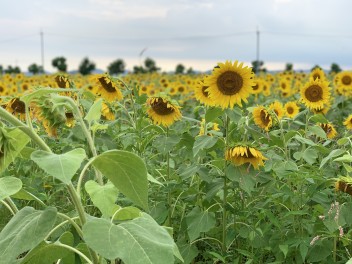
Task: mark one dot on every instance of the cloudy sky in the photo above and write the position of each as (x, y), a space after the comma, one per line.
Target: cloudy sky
(196, 33)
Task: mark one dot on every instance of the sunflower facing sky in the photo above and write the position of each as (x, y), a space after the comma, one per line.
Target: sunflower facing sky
(314, 94)
(230, 84)
(107, 88)
(291, 109)
(201, 93)
(240, 155)
(162, 111)
(262, 118)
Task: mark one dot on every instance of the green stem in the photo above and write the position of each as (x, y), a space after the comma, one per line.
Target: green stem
(168, 180)
(11, 204)
(72, 222)
(81, 176)
(335, 248)
(224, 211)
(95, 261)
(77, 203)
(26, 129)
(8, 207)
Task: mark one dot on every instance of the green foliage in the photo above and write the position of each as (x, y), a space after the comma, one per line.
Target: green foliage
(9, 186)
(180, 68)
(35, 69)
(59, 63)
(86, 66)
(116, 67)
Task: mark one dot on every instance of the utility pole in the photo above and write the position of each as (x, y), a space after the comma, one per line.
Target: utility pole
(42, 48)
(257, 57)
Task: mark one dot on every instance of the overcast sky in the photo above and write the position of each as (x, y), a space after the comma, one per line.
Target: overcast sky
(197, 33)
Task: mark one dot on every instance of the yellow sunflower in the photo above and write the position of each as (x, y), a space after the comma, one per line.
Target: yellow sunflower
(329, 130)
(291, 109)
(348, 122)
(210, 126)
(17, 108)
(230, 84)
(278, 108)
(314, 94)
(70, 119)
(201, 93)
(162, 111)
(107, 88)
(240, 155)
(62, 81)
(262, 118)
(344, 184)
(106, 112)
(257, 88)
(317, 73)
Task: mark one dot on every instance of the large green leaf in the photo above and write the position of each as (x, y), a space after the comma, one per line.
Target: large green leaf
(9, 186)
(140, 240)
(127, 172)
(199, 221)
(25, 231)
(61, 166)
(17, 139)
(47, 252)
(94, 112)
(103, 196)
(203, 142)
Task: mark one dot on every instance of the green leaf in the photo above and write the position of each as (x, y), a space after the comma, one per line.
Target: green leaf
(213, 113)
(319, 118)
(50, 252)
(26, 195)
(25, 231)
(199, 221)
(284, 249)
(165, 144)
(342, 141)
(318, 131)
(94, 112)
(127, 213)
(344, 158)
(203, 142)
(9, 186)
(18, 140)
(61, 166)
(304, 140)
(334, 153)
(188, 252)
(140, 240)
(153, 180)
(127, 172)
(103, 196)
(310, 155)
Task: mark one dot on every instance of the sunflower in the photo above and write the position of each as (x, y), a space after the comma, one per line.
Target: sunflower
(62, 81)
(262, 118)
(163, 111)
(344, 184)
(107, 88)
(257, 88)
(278, 108)
(209, 126)
(291, 109)
(317, 73)
(314, 94)
(329, 130)
(70, 119)
(239, 155)
(348, 122)
(230, 84)
(106, 112)
(17, 108)
(201, 93)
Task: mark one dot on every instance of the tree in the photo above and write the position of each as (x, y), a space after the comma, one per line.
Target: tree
(86, 67)
(116, 67)
(11, 69)
(179, 69)
(1, 69)
(335, 68)
(150, 65)
(60, 63)
(138, 69)
(35, 69)
(289, 67)
(257, 66)
(190, 71)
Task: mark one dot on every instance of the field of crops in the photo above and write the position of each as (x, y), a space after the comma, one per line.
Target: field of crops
(229, 167)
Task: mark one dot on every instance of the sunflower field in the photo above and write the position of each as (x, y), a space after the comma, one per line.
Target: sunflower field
(225, 167)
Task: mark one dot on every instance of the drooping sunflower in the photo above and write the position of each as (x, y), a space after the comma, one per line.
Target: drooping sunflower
(262, 118)
(344, 184)
(240, 155)
(70, 119)
(278, 108)
(291, 109)
(62, 81)
(348, 122)
(329, 130)
(201, 93)
(230, 84)
(162, 111)
(314, 94)
(106, 112)
(17, 108)
(107, 88)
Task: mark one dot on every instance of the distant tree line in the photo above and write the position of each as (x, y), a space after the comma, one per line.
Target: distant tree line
(118, 66)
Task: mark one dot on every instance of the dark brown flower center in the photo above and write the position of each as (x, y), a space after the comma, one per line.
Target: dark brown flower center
(344, 187)
(1, 89)
(61, 81)
(18, 106)
(249, 153)
(283, 86)
(346, 80)
(316, 76)
(107, 86)
(181, 89)
(314, 93)
(264, 117)
(255, 87)
(326, 128)
(230, 83)
(290, 110)
(160, 107)
(205, 93)
(69, 115)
